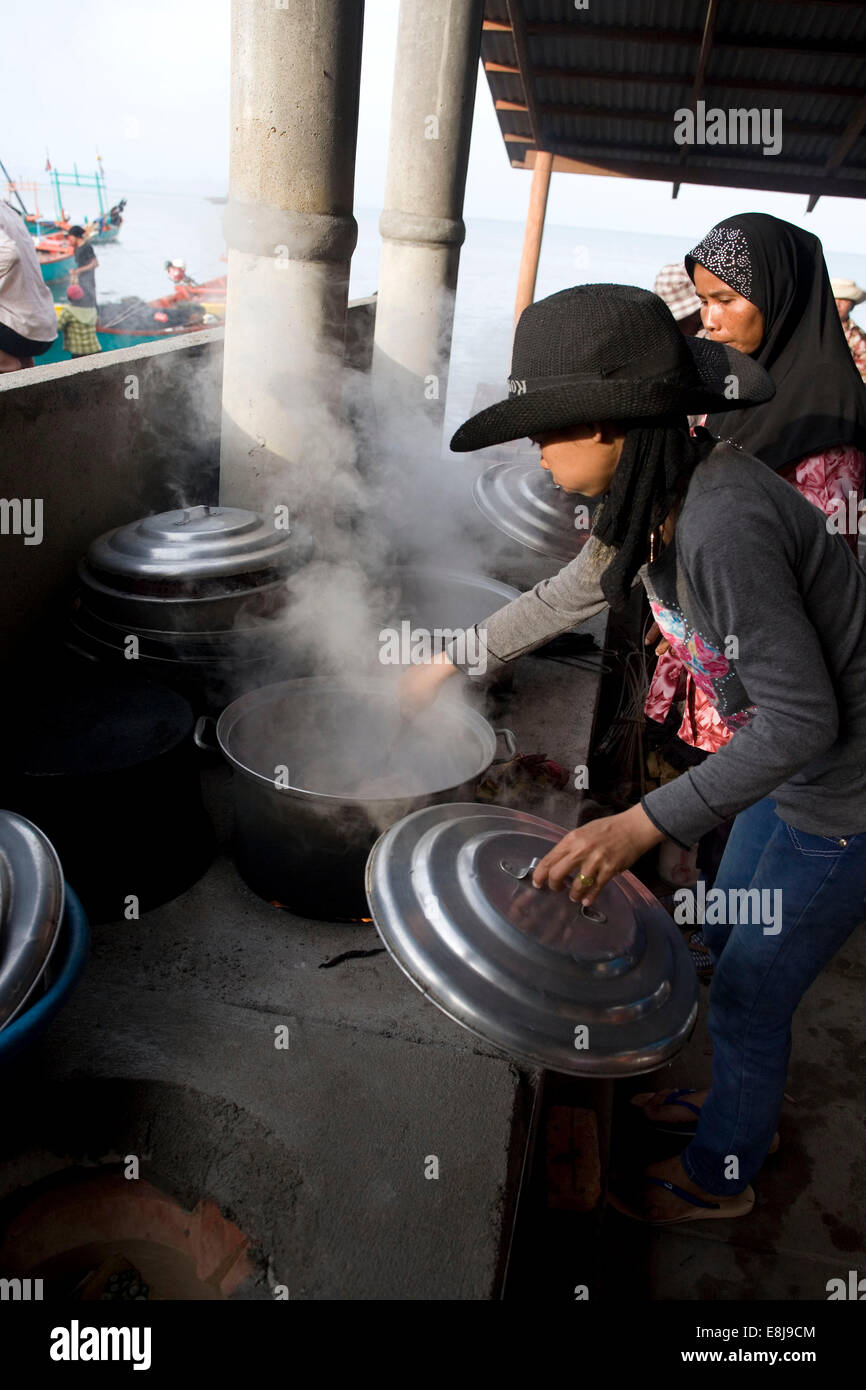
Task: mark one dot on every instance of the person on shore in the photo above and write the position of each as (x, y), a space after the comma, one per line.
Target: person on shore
(77, 323)
(847, 294)
(603, 381)
(673, 284)
(28, 324)
(86, 265)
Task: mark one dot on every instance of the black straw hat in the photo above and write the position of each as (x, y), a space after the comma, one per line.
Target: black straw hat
(609, 352)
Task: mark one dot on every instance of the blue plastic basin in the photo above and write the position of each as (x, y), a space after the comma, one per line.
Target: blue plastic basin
(71, 954)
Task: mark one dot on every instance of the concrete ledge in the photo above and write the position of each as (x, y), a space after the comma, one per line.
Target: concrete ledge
(106, 361)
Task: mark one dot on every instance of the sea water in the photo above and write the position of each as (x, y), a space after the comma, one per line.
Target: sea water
(160, 225)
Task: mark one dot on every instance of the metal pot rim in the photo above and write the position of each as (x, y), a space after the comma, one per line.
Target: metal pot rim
(323, 684)
(473, 578)
(27, 854)
(90, 578)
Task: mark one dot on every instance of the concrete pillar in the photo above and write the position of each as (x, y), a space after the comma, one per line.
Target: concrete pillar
(296, 67)
(535, 215)
(422, 226)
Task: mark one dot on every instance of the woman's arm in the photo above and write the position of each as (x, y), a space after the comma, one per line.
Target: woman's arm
(553, 606)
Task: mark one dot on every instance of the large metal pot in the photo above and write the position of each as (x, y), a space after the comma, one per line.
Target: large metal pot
(194, 588)
(320, 770)
(208, 668)
(196, 569)
(435, 600)
(524, 502)
(104, 763)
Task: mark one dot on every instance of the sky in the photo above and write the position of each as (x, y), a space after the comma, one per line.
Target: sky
(147, 85)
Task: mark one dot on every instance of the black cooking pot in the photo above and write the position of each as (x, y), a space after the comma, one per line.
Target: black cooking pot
(106, 766)
(321, 769)
(207, 668)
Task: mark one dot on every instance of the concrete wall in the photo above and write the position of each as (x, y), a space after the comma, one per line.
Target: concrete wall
(101, 442)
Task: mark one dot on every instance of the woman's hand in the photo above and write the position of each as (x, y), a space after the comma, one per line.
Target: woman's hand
(420, 685)
(652, 635)
(599, 850)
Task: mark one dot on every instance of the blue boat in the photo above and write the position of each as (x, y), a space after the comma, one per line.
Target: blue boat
(55, 265)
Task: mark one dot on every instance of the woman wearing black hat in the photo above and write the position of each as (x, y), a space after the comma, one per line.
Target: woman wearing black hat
(768, 611)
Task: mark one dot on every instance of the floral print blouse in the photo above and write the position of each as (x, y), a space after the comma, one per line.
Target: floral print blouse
(697, 673)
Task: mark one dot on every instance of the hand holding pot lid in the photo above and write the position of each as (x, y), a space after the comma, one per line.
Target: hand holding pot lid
(593, 854)
(607, 990)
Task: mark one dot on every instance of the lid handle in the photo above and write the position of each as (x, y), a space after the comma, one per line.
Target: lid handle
(592, 914)
(190, 513)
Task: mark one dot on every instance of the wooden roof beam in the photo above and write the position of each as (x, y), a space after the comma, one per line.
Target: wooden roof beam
(521, 52)
(679, 38)
(745, 84)
(847, 140)
(622, 113)
(701, 69)
(837, 186)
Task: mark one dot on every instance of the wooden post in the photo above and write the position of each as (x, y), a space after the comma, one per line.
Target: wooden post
(534, 232)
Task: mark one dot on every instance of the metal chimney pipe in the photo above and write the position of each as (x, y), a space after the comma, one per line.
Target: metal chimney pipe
(296, 69)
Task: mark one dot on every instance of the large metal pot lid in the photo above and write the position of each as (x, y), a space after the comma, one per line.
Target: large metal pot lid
(522, 500)
(525, 969)
(193, 542)
(31, 910)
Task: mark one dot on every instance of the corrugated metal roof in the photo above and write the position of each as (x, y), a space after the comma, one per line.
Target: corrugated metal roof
(604, 85)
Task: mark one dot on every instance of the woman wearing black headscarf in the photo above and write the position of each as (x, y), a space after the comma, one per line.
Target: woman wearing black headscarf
(764, 290)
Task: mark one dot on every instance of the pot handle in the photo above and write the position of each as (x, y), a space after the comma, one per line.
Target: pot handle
(508, 738)
(204, 723)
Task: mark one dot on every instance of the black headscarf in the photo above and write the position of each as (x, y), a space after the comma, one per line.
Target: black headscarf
(656, 463)
(820, 400)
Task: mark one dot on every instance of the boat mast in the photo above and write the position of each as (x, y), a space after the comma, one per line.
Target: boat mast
(12, 187)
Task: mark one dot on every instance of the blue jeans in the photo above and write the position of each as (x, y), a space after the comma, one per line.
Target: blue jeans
(762, 969)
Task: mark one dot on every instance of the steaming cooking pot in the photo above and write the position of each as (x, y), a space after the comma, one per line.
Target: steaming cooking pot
(321, 769)
(436, 600)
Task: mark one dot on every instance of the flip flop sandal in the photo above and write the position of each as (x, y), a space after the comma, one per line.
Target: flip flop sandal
(728, 1208)
(686, 1127)
(701, 958)
(672, 1098)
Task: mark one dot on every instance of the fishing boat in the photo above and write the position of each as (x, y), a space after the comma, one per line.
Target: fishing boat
(132, 322)
(207, 292)
(107, 226)
(55, 254)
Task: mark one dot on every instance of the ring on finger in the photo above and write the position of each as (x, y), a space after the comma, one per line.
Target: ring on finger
(585, 880)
